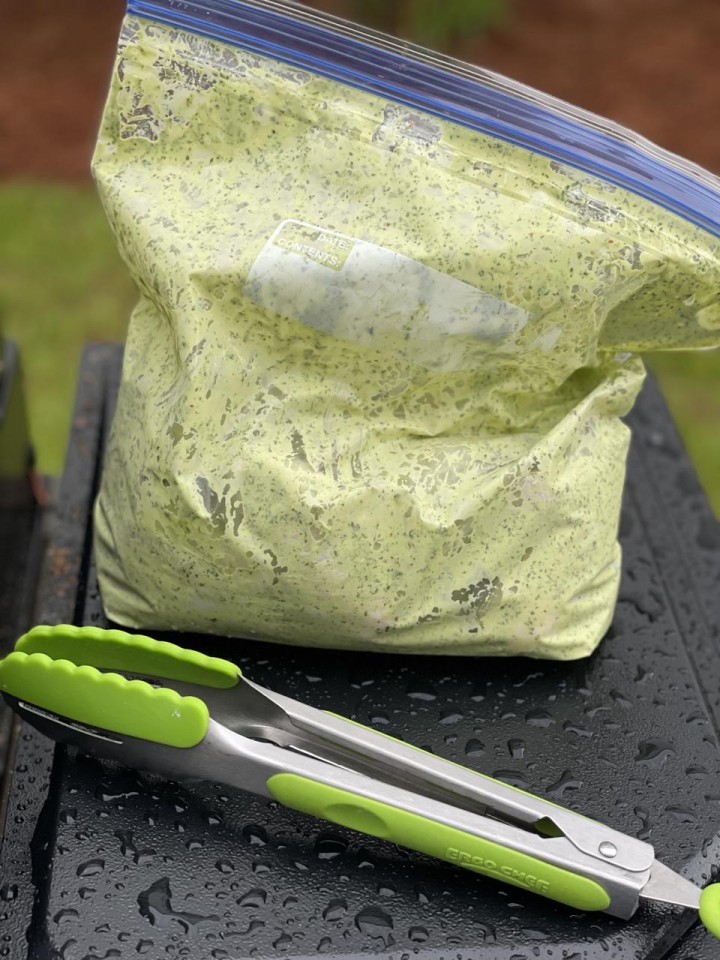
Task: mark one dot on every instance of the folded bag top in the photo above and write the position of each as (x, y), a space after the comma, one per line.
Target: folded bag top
(390, 311)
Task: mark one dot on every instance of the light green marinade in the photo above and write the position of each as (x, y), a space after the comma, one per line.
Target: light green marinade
(371, 390)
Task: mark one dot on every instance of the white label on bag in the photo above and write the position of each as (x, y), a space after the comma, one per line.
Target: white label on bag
(363, 293)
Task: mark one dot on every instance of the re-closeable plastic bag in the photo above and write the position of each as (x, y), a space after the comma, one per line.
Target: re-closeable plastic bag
(390, 311)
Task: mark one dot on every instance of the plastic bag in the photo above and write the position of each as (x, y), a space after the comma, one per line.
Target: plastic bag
(389, 311)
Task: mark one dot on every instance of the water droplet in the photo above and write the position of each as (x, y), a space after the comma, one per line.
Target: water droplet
(85, 892)
(214, 819)
(607, 762)
(375, 923)
(156, 905)
(128, 847)
(335, 910)
(324, 945)
(513, 778)
(646, 830)
(144, 946)
(654, 752)
(379, 718)
(385, 891)
(422, 897)
(255, 897)
(696, 773)
(328, 846)
(260, 866)
(68, 815)
(487, 931)
(517, 749)
(569, 727)
(283, 941)
(539, 718)
(8, 891)
(252, 927)
(361, 680)
(474, 748)
(620, 699)
(418, 934)
(681, 814)
(104, 793)
(451, 716)
(126, 841)
(194, 844)
(62, 916)
(255, 835)
(567, 781)
(91, 868)
(224, 866)
(422, 692)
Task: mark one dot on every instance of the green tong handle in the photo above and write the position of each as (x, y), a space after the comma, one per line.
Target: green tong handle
(437, 840)
(379, 819)
(710, 909)
(61, 669)
(103, 701)
(129, 652)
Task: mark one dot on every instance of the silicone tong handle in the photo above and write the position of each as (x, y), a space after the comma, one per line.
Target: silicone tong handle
(129, 652)
(58, 669)
(105, 701)
(437, 839)
(710, 909)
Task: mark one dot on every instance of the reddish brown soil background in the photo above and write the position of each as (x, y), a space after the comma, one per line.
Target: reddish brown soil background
(653, 65)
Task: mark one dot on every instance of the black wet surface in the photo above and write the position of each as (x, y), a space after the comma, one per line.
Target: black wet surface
(126, 865)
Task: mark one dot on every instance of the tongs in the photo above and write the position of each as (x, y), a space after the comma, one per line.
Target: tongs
(164, 709)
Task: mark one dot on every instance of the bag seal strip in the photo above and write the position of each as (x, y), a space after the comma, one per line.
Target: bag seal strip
(449, 89)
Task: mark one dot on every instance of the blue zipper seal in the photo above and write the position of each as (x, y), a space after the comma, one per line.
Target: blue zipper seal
(447, 95)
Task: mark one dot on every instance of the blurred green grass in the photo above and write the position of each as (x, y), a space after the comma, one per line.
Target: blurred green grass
(690, 382)
(62, 283)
